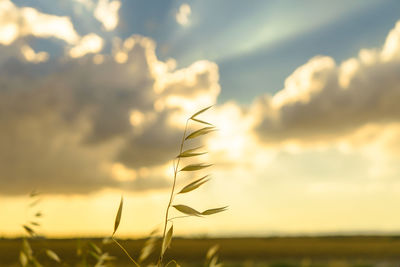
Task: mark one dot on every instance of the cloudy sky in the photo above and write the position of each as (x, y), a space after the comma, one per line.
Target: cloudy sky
(94, 95)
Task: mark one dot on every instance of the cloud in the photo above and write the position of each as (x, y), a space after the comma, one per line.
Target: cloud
(90, 122)
(65, 127)
(19, 22)
(182, 16)
(106, 12)
(91, 43)
(322, 101)
(31, 56)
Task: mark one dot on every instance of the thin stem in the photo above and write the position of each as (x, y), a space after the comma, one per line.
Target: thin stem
(172, 261)
(172, 192)
(126, 252)
(178, 217)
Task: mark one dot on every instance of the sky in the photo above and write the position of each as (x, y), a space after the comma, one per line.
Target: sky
(94, 96)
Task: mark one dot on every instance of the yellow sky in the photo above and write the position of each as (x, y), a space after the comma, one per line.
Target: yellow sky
(319, 156)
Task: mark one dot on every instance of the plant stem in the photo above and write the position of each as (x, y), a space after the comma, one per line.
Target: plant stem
(178, 217)
(172, 193)
(126, 252)
(172, 261)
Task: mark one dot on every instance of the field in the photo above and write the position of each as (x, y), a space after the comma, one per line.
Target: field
(276, 252)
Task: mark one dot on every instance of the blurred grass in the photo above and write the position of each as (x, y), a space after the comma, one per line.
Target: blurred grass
(276, 252)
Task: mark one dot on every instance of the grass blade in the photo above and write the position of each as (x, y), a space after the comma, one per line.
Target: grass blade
(147, 249)
(26, 248)
(95, 248)
(34, 193)
(118, 217)
(212, 251)
(213, 211)
(23, 259)
(106, 240)
(94, 255)
(29, 230)
(187, 155)
(196, 184)
(34, 203)
(195, 167)
(172, 261)
(187, 210)
(200, 132)
(191, 153)
(149, 246)
(36, 263)
(204, 122)
(52, 255)
(201, 111)
(213, 262)
(167, 239)
(106, 257)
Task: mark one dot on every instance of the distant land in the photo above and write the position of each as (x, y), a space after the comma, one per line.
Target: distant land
(272, 251)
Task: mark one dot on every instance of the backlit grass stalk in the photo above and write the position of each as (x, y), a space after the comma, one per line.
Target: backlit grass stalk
(186, 210)
(116, 224)
(126, 252)
(172, 193)
(27, 256)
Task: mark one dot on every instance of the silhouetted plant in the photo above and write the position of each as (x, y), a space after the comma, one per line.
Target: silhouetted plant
(188, 211)
(27, 257)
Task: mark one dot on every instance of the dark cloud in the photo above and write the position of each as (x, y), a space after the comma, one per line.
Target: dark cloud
(63, 126)
(321, 100)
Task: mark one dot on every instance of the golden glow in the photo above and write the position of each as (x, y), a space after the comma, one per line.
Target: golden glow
(8, 33)
(18, 22)
(137, 118)
(121, 57)
(91, 43)
(267, 185)
(347, 71)
(182, 17)
(392, 44)
(300, 85)
(121, 173)
(107, 13)
(98, 59)
(31, 56)
(129, 43)
(43, 25)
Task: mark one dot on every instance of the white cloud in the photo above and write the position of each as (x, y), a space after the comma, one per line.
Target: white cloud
(44, 25)
(391, 48)
(31, 56)
(19, 22)
(8, 33)
(106, 12)
(91, 43)
(182, 16)
(16, 23)
(322, 101)
(303, 83)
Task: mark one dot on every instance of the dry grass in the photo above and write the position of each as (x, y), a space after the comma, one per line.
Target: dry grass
(297, 251)
(187, 211)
